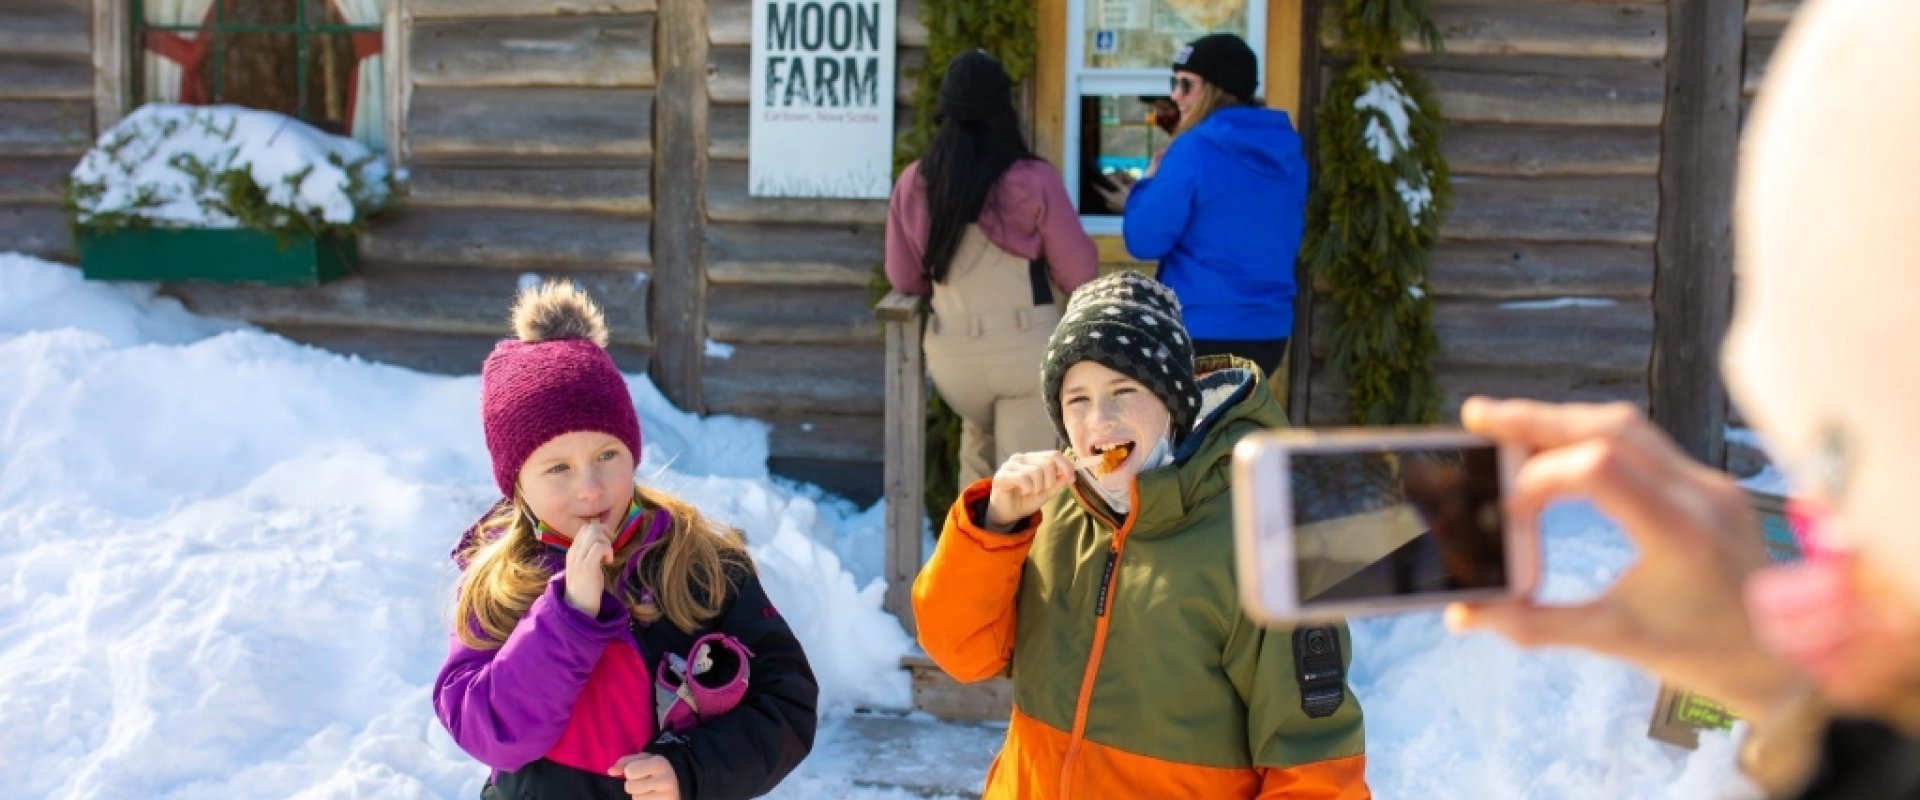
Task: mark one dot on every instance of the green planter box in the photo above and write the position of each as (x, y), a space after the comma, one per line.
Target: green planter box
(215, 255)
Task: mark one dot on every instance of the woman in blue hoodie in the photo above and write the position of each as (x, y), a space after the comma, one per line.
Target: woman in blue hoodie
(1223, 207)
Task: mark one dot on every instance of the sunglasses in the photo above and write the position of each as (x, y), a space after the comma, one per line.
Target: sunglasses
(1181, 85)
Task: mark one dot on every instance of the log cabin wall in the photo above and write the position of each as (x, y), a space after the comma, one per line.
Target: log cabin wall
(526, 129)
(1542, 281)
(46, 118)
(788, 284)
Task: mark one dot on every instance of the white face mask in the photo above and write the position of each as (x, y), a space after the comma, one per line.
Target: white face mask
(1117, 489)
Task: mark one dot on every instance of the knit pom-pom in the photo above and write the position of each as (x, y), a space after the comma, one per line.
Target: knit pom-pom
(558, 310)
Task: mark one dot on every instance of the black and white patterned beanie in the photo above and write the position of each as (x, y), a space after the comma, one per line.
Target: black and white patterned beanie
(1129, 323)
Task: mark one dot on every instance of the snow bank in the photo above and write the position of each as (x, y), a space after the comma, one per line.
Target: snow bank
(163, 162)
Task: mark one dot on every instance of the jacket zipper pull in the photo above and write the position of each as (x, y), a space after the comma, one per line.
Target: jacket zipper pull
(1106, 582)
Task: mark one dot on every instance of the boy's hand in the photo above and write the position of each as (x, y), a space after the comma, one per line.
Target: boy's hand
(1024, 484)
(648, 775)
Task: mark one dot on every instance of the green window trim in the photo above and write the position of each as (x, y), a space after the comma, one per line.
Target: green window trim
(300, 28)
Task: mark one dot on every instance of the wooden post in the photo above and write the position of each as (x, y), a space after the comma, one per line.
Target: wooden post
(1300, 364)
(395, 47)
(906, 448)
(1693, 260)
(112, 80)
(679, 209)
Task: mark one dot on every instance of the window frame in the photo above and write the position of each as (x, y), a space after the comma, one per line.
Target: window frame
(1080, 81)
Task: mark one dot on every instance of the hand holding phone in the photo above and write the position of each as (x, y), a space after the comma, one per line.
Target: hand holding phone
(1336, 523)
(1024, 484)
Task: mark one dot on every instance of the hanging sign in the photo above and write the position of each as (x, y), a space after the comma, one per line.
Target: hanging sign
(821, 119)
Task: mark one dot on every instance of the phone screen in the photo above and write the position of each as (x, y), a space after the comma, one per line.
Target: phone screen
(1379, 524)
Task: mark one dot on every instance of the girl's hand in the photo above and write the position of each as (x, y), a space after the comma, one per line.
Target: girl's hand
(647, 776)
(591, 550)
(1024, 484)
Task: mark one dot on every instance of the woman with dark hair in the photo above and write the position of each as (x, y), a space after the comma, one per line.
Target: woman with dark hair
(986, 227)
(1226, 244)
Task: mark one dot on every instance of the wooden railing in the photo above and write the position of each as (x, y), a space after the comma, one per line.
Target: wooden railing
(904, 318)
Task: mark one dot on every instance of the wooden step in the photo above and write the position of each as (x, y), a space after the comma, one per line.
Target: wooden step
(990, 700)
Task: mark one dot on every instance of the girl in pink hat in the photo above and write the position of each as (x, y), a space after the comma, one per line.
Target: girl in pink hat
(610, 641)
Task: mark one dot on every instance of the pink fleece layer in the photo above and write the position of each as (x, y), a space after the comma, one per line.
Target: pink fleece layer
(1028, 214)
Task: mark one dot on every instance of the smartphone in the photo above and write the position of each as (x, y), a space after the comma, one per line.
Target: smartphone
(1335, 523)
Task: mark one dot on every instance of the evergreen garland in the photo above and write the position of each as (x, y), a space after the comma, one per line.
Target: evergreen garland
(1374, 214)
(1007, 30)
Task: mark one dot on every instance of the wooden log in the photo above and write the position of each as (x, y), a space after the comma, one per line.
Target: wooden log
(37, 229)
(1771, 12)
(791, 314)
(762, 379)
(827, 437)
(1517, 270)
(33, 180)
(1327, 401)
(601, 51)
(1619, 210)
(769, 248)
(457, 123)
(462, 300)
(904, 480)
(764, 273)
(1611, 339)
(617, 186)
(40, 77)
(442, 9)
(1693, 264)
(1594, 30)
(728, 201)
(112, 56)
(517, 238)
(730, 24)
(427, 351)
(680, 227)
(62, 127)
(1529, 151)
(45, 28)
(1545, 91)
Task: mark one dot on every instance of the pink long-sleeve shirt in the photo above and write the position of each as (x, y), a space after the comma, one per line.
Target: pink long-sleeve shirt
(1028, 214)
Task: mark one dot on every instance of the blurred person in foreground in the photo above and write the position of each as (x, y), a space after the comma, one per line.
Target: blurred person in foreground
(1822, 658)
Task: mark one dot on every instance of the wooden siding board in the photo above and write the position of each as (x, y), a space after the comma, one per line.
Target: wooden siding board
(452, 299)
(33, 180)
(1528, 151)
(456, 123)
(37, 229)
(791, 314)
(37, 77)
(767, 246)
(1546, 91)
(46, 127)
(1328, 392)
(46, 28)
(832, 437)
(1589, 209)
(1519, 270)
(1771, 12)
(441, 9)
(1529, 27)
(428, 351)
(729, 201)
(508, 238)
(619, 186)
(600, 51)
(1614, 339)
(773, 379)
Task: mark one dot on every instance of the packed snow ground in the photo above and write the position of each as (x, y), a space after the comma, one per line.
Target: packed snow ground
(223, 573)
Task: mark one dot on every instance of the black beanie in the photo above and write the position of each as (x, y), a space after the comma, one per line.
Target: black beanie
(975, 87)
(1129, 323)
(1224, 60)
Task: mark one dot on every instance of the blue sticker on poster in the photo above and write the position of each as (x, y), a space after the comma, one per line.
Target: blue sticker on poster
(1105, 43)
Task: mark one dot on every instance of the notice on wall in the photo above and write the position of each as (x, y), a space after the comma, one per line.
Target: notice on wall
(821, 120)
(1123, 14)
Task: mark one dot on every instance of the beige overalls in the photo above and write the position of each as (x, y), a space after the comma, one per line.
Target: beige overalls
(984, 346)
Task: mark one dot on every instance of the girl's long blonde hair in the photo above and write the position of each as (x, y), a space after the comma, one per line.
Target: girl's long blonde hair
(686, 571)
(1212, 98)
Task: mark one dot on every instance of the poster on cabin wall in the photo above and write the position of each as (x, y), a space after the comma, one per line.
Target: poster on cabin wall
(821, 120)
